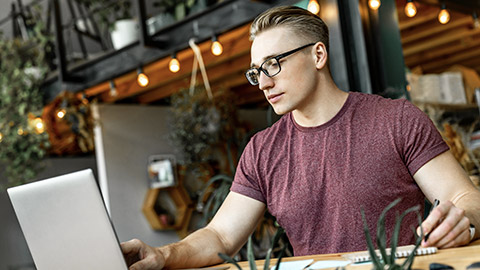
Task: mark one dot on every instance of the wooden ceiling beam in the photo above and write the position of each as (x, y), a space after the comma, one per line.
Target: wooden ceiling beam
(432, 55)
(444, 39)
(234, 42)
(438, 28)
(417, 20)
(457, 58)
(215, 73)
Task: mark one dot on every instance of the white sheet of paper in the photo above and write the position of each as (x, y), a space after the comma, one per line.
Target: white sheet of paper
(328, 264)
(293, 265)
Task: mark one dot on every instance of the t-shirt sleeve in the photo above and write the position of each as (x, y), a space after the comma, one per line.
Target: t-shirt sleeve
(246, 180)
(421, 139)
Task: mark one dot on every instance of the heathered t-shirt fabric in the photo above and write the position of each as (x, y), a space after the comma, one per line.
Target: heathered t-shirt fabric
(316, 180)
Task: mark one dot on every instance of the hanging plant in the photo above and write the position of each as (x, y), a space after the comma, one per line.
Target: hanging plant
(23, 142)
(198, 124)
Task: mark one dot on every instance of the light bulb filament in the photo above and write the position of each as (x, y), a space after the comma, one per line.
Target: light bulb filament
(313, 7)
(444, 16)
(410, 9)
(217, 48)
(374, 4)
(174, 65)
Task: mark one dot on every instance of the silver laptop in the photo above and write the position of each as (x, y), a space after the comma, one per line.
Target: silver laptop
(66, 225)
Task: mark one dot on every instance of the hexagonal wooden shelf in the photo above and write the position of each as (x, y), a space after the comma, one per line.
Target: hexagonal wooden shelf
(161, 203)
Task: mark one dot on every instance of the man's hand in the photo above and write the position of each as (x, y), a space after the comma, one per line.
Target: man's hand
(139, 255)
(448, 227)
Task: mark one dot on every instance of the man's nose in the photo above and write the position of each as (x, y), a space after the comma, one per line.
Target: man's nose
(265, 82)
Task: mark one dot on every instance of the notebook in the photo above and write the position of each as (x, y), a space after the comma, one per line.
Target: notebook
(66, 225)
(400, 252)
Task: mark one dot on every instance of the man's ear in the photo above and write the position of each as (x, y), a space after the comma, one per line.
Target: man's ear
(320, 54)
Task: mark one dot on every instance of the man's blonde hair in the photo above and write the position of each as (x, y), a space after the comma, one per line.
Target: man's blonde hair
(300, 21)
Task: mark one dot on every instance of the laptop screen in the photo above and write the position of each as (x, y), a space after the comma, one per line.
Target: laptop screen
(65, 223)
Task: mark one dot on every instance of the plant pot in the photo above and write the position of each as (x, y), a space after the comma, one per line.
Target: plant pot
(154, 24)
(125, 32)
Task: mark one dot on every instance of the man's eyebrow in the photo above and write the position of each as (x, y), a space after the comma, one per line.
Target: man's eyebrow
(264, 58)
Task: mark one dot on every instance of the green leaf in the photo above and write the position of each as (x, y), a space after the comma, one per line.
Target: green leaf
(407, 264)
(381, 235)
(278, 234)
(251, 257)
(229, 260)
(396, 231)
(371, 248)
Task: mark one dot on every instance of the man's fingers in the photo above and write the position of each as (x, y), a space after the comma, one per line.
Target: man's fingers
(151, 261)
(447, 226)
(434, 219)
(458, 235)
(132, 246)
(139, 265)
(132, 251)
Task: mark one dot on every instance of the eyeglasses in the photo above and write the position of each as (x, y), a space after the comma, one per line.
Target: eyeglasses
(271, 66)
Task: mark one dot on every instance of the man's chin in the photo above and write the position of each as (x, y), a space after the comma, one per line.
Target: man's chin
(280, 111)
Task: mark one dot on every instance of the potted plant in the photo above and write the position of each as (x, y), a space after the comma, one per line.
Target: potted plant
(23, 142)
(114, 17)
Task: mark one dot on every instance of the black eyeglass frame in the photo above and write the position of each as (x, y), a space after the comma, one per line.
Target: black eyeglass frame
(277, 58)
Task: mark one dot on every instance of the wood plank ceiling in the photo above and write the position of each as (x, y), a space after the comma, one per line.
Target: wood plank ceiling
(428, 47)
(224, 72)
(431, 47)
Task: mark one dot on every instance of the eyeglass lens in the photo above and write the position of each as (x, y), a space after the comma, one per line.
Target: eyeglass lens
(270, 67)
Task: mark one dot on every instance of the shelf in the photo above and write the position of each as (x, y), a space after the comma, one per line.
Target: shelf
(156, 198)
(445, 106)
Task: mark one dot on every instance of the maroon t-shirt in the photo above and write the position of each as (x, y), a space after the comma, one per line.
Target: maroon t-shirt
(315, 180)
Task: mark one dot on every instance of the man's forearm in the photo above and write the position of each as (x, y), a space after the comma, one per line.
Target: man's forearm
(199, 249)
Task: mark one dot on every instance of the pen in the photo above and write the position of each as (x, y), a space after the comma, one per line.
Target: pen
(435, 204)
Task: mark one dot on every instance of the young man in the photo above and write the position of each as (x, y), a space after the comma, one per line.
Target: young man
(330, 155)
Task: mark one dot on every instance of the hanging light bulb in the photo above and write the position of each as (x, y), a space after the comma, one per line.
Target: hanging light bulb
(476, 22)
(174, 65)
(217, 48)
(142, 78)
(113, 90)
(39, 125)
(410, 9)
(61, 113)
(443, 15)
(374, 4)
(313, 7)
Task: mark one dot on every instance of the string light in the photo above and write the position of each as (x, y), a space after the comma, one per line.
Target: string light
(1, 137)
(217, 48)
(374, 4)
(443, 15)
(39, 125)
(410, 9)
(113, 90)
(313, 7)
(476, 22)
(20, 131)
(174, 65)
(142, 78)
(61, 113)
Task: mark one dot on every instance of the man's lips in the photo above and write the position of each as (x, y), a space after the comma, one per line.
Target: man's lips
(273, 98)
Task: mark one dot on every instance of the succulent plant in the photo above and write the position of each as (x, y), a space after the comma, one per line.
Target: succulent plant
(251, 257)
(386, 260)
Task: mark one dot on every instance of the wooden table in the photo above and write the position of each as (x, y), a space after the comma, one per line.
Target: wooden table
(459, 258)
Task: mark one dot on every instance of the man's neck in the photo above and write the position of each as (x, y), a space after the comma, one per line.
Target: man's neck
(323, 106)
